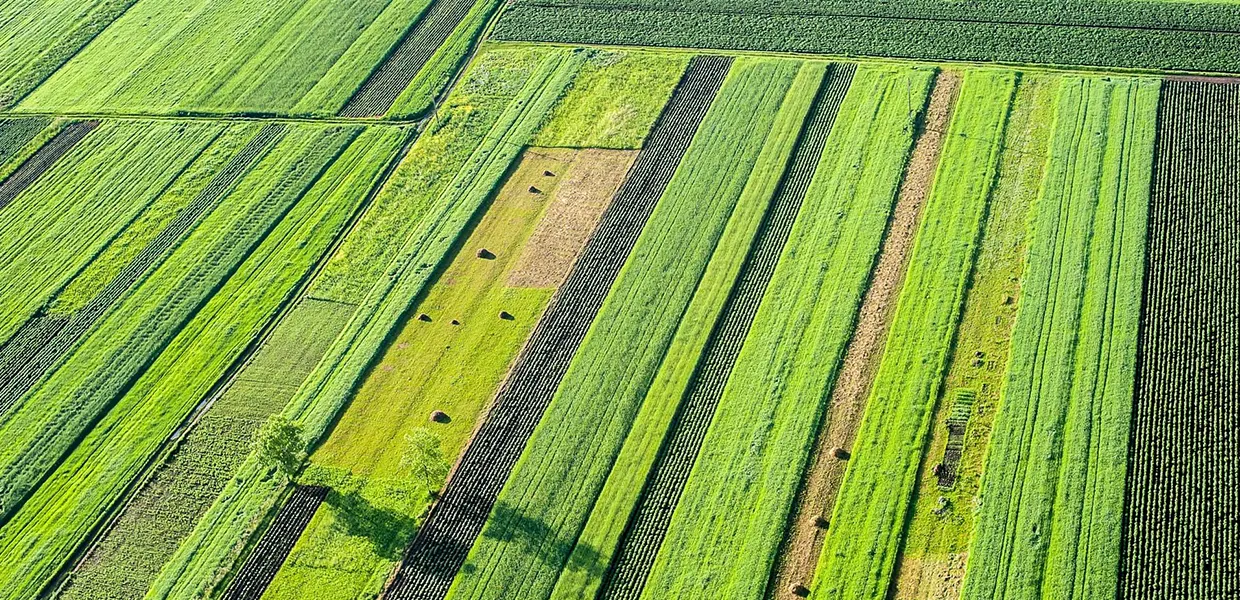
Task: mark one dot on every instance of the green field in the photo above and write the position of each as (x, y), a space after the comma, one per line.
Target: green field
(618, 299)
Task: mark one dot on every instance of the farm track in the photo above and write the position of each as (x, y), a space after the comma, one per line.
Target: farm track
(647, 527)
(42, 341)
(390, 78)
(1182, 504)
(457, 519)
(804, 538)
(269, 554)
(42, 160)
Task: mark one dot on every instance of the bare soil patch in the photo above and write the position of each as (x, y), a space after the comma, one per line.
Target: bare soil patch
(584, 190)
(816, 500)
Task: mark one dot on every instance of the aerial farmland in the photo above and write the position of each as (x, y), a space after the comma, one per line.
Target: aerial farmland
(619, 300)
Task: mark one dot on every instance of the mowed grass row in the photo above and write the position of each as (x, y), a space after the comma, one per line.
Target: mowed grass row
(729, 522)
(55, 415)
(544, 505)
(595, 549)
(446, 190)
(58, 225)
(234, 56)
(164, 510)
(868, 520)
(41, 536)
(1053, 488)
(38, 36)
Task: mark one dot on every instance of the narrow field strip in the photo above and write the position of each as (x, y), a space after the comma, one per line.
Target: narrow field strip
(816, 499)
(49, 345)
(1182, 505)
(39, 36)
(724, 535)
(162, 510)
(263, 563)
(42, 160)
(546, 501)
(867, 522)
(1053, 488)
(457, 519)
(667, 435)
(15, 134)
(62, 224)
(391, 77)
(275, 243)
(441, 208)
(935, 548)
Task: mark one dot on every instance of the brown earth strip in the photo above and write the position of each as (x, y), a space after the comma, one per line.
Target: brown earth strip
(799, 558)
(932, 561)
(585, 189)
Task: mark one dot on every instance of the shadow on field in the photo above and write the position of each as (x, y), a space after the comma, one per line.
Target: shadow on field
(535, 538)
(387, 530)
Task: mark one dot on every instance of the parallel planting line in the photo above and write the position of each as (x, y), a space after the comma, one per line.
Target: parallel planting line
(269, 554)
(15, 133)
(1182, 509)
(43, 340)
(806, 533)
(386, 83)
(647, 525)
(457, 519)
(42, 160)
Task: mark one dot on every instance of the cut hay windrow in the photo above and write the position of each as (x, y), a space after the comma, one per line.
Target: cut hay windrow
(1182, 506)
(43, 159)
(457, 519)
(647, 525)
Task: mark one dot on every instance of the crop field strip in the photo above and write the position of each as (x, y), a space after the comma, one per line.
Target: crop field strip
(261, 566)
(85, 433)
(815, 500)
(42, 160)
(1054, 477)
(394, 74)
(643, 535)
(43, 341)
(1116, 34)
(1182, 503)
(15, 133)
(858, 555)
(457, 518)
(201, 455)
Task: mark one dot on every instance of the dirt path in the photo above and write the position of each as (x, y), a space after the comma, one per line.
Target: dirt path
(805, 536)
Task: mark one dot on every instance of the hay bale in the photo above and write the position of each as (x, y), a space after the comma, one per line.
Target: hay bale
(548, 174)
(798, 590)
(425, 318)
(840, 453)
(485, 254)
(534, 190)
(455, 322)
(505, 315)
(822, 523)
(440, 416)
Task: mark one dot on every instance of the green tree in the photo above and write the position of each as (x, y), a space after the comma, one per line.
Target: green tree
(281, 446)
(424, 459)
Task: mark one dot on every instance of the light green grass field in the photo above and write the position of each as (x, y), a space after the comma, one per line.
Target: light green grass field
(1053, 489)
(867, 522)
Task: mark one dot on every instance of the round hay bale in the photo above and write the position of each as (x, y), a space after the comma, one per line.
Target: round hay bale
(455, 322)
(505, 315)
(822, 523)
(840, 453)
(425, 318)
(440, 416)
(485, 254)
(548, 174)
(534, 190)
(798, 590)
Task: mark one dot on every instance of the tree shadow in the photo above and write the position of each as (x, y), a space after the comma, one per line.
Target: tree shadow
(386, 529)
(535, 538)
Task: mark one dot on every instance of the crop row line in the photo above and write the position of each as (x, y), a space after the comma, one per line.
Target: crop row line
(42, 160)
(457, 519)
(648, 523)
(262, 564)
